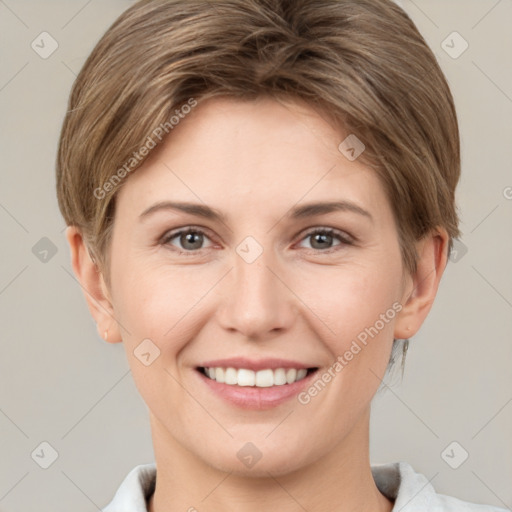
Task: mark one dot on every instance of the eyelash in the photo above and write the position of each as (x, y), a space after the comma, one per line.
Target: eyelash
(343, 238)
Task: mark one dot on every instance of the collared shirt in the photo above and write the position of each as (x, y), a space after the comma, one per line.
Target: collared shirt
(410, 491)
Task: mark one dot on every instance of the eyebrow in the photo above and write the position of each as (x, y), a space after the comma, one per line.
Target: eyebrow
(299, 212)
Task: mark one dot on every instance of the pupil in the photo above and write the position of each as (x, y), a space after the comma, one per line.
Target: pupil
(322, 238)
(189, 238)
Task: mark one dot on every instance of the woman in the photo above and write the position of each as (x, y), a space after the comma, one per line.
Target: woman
(308, 151)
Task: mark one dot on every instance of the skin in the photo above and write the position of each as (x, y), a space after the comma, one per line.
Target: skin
(255, 161)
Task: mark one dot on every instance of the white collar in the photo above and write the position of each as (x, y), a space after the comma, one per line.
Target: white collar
(411, 491)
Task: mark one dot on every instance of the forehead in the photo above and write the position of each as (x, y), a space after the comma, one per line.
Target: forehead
(247, 154)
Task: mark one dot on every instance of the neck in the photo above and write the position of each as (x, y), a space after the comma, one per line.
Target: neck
(340, 481)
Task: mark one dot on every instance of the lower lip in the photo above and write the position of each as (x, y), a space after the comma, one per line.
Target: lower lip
(250, 397)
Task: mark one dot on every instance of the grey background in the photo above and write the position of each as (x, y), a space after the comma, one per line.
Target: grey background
(63, 385)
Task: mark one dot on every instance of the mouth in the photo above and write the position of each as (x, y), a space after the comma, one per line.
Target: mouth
(265, 378)
(258, 388)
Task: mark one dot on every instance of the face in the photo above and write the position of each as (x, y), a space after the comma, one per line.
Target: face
(248, 275)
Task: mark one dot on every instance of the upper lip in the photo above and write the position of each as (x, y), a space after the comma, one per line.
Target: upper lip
(255, 365)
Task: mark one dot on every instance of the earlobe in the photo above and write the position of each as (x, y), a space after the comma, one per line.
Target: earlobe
(93, 286)
(422, 287)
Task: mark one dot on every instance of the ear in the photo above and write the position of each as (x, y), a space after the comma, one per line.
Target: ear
(93, 285)
(421, 288)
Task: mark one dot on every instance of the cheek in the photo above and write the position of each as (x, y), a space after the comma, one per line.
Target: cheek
(158, 301)
(357, 303)
(161, 304)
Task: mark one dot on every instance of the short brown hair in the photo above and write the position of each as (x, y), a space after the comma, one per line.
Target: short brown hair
(362, 63)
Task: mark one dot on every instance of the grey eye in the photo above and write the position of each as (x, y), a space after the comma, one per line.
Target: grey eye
(189, 240)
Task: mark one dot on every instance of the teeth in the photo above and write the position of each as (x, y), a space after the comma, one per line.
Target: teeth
(279, 377)
(291, 375)
(219, 374)
(259, 379)
(230, 377)
(245, 377)
(264, 378)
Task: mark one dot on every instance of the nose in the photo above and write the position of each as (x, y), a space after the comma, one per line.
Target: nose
(257, 301)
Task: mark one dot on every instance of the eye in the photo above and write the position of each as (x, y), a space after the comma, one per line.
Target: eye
(322, 238)
(191, 239)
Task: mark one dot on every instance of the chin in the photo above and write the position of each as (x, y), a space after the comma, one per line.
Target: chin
(252, 460)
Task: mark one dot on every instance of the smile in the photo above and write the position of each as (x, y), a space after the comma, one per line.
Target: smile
(261, 379)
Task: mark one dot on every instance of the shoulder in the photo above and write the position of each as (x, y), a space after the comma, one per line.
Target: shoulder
(134, 491)
(450, 504)
(413, 492)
